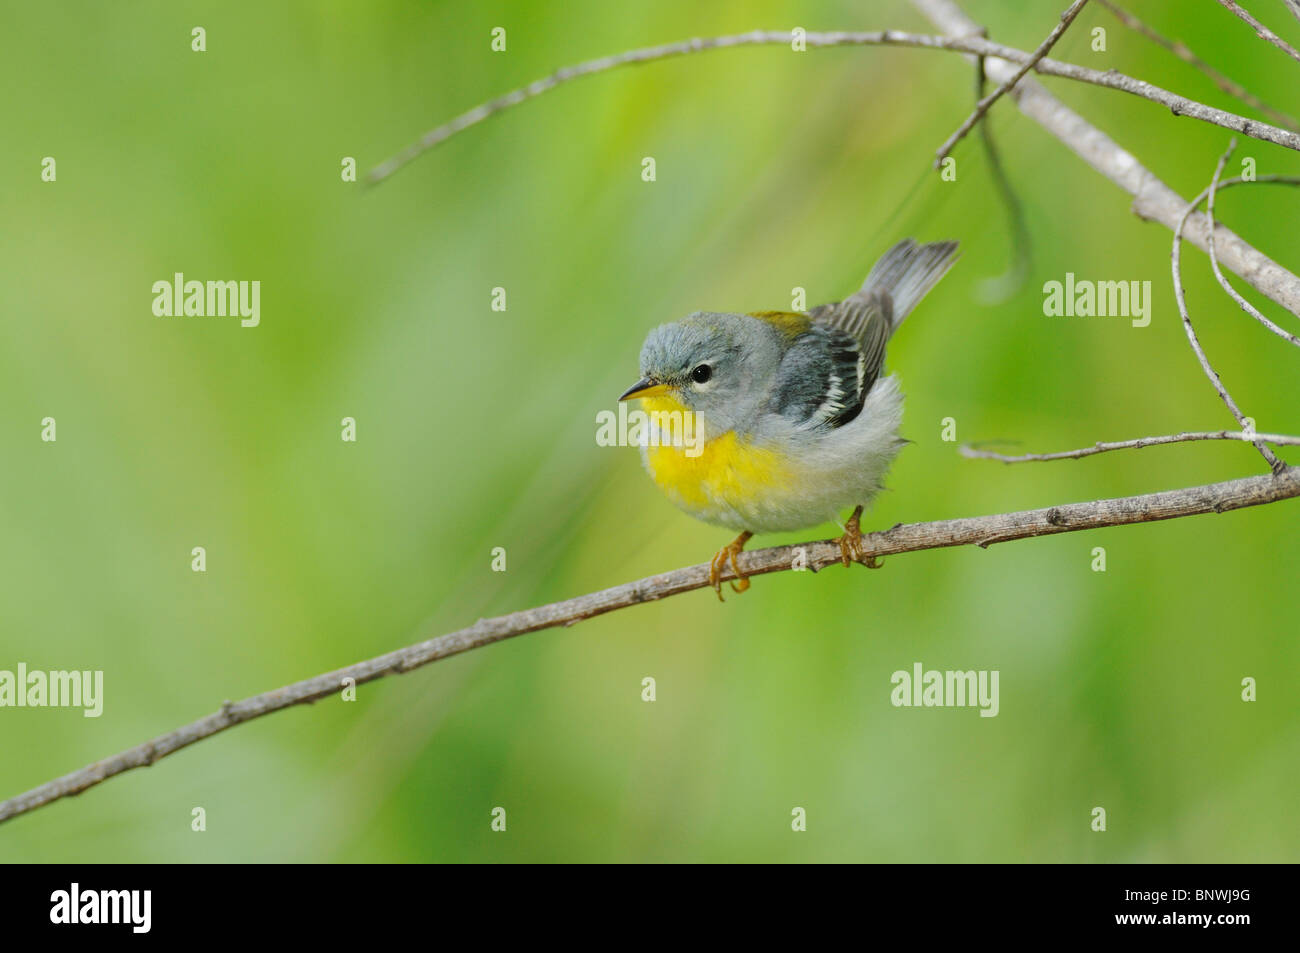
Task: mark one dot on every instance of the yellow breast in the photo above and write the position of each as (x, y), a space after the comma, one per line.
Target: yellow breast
(727, 472)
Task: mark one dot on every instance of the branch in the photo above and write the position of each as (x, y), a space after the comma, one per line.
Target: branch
(1179, 296)
(1184, 53)
(1152, 199)
(980, 531)
(1101, 446)
(1250, 309)
(973, 45)
(1269, 179)
(1261, 31)
(987, 102)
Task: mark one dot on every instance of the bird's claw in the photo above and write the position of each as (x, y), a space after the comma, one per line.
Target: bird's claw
(851, 550)
(727, 555)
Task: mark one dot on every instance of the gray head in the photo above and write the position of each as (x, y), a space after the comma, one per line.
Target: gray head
(715, 364)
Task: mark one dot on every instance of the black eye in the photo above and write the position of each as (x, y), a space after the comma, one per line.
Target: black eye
(701, 373)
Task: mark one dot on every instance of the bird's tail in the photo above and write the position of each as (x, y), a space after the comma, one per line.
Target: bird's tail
(906, 273)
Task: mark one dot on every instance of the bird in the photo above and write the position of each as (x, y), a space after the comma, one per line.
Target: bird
(795, 417)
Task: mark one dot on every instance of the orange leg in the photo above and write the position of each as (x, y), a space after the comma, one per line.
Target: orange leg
(851, 543)
(727, 554)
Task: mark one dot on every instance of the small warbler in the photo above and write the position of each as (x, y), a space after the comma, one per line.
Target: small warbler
(797, 421)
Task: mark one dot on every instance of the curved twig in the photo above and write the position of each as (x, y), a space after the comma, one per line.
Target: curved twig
(1250, 309)
(1179, 296)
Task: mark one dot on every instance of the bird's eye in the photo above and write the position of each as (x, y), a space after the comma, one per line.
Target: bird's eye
(701, 373)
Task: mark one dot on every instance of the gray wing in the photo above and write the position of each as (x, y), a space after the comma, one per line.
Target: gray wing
(868, 320)
(824, 378)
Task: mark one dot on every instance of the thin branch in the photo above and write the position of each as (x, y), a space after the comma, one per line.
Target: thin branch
(1294, 7)
(1268, 179)
(980, 531)
(1152, 199)
(1184, 53)
(973, 45)
(1245, 305)
(1211, 374)
(1261, 31)
(985, 104)
(972, 451)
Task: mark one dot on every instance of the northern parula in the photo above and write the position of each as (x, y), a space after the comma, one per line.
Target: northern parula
(797, 421)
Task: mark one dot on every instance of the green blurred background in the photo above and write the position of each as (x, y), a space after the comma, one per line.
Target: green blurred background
(476, 430)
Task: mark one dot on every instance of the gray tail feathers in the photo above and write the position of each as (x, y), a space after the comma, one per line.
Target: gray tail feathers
(906, 273)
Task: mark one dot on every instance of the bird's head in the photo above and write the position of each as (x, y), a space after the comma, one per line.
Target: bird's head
(709, 363)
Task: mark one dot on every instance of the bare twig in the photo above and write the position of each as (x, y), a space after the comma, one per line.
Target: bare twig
(1294, 7)
(973, 45)
(1152, 199)
(1261, 31)
(1184, 53)
(980, 531)
(1268, 179)
(1211, 374)
(1245, 305)
(985, 104)
(974, 452)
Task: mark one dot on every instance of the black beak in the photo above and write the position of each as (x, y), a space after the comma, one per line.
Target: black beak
(645, 387)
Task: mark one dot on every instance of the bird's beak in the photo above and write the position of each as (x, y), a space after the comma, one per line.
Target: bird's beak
(644, 388)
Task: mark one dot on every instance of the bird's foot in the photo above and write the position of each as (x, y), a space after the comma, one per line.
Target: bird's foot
(851, 543)
(727, 554)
